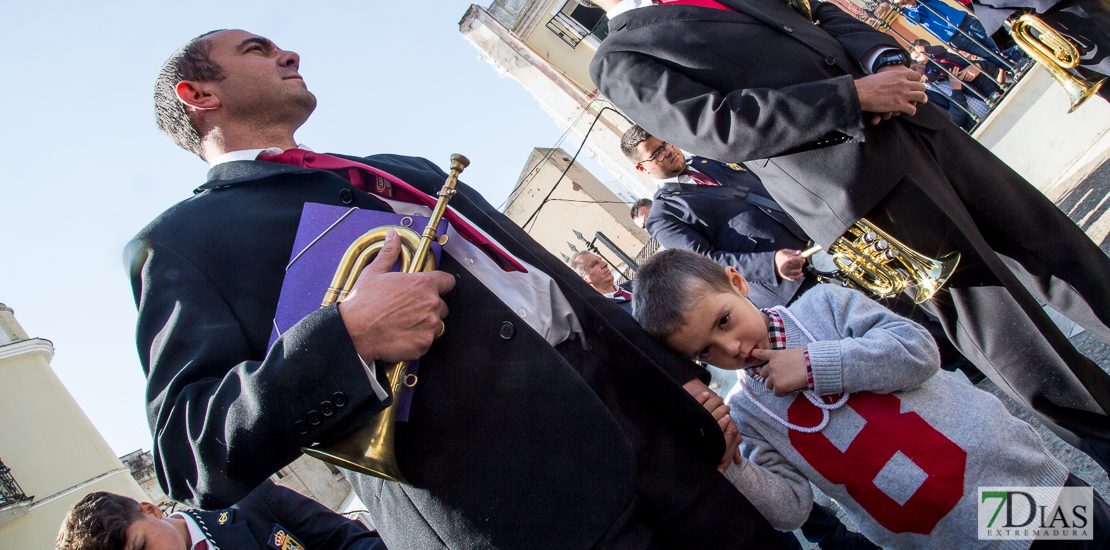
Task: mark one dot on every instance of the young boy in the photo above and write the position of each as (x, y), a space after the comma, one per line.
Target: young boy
(268, 517)
(902, 448)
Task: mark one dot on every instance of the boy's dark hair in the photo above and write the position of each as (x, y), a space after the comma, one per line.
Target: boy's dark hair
(668, 284)
(636, 206)
(920, 42)
(191, 62)
(98, 522)
(631, 138)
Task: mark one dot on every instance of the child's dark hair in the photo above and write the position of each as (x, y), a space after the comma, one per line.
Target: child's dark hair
(98, 522)
(668, 284)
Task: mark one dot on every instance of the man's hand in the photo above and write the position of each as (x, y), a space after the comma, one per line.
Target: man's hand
(394, 316)
(785, 370)
(892, 90)
(716, 407)
(789, 265)
(967, 74)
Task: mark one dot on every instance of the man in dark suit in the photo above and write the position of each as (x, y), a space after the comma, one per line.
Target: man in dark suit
(541, 419)
(834, 123)
(709, 207)
(597, 274)
(268, 517)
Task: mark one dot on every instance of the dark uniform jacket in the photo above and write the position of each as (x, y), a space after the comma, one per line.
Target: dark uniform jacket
(276, 517)
(732, 232)
(510, 442)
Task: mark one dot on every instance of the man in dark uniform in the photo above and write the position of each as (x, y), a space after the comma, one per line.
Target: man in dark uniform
(595, 271)
(542, 418)
(835, 124)
(268, 517)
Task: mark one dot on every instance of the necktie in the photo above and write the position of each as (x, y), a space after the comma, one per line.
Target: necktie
(622, 294)
(700, 178)
(202, 545)
(390, 187)
(702, 3)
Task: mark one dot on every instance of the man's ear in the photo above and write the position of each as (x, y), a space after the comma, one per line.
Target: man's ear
(640, 168)
(151, 510)
(738, 281)
(198, 95)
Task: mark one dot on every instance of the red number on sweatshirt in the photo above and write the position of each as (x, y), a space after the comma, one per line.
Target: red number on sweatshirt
(887, 431)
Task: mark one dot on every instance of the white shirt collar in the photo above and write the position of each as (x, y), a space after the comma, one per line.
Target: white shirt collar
(628, 5)
(249, 154)
(681, 178)
(195, 534)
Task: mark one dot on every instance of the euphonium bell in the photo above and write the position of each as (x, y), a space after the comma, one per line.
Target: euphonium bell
(1055, 53)
(870, 259)
(370, 450)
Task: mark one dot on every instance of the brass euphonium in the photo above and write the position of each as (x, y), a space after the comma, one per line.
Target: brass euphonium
(872, 260)
(370, 450)
(1055, 53)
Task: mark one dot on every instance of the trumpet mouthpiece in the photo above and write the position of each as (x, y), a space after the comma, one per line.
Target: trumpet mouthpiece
(458, 162)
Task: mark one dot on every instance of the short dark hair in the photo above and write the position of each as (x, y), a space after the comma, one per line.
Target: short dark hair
(920, 42)
(190, 62)
(631, 138)
(668, 284)
(636, 206)
(98, 522)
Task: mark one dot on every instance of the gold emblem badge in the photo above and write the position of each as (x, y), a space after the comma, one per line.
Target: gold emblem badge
(736, 167)
(224, 516)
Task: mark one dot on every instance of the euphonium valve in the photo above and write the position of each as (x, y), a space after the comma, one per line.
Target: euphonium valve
(1055, 53)
(870, 259)
(371, 450)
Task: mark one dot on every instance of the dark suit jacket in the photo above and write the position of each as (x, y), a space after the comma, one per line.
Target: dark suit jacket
(510, 443)
(732, 232)
(767, 88)
(270, 509)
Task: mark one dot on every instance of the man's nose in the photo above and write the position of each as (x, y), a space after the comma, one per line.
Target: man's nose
(289, 59)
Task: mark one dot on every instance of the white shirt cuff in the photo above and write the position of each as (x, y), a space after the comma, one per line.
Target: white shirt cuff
(372, 374)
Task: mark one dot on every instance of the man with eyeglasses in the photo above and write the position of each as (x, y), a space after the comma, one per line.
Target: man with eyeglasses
(723, 212)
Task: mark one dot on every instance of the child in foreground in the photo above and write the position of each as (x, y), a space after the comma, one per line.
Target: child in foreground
(900, 446)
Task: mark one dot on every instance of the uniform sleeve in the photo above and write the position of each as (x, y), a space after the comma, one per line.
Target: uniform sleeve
(224, 418)
(315, 525)
(858, 38)
(779, 491)
(732, 127)
(669, 228)
(878, 350)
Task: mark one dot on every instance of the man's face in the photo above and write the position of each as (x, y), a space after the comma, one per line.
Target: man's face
(261, 83)
(597, 272)
(150, 533)
(722, 328)
(658, 159)
(641, 216)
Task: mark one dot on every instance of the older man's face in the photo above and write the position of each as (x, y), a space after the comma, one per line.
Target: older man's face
(261, 82)
(597, 272)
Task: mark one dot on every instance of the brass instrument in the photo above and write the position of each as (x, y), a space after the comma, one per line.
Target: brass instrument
(803, 7)
(370, 450)
(867, 258)
(1055, 53)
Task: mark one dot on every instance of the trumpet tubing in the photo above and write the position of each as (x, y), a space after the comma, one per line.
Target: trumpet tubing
(870, 259)
(1055, 53)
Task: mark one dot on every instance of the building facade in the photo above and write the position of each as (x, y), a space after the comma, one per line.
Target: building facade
(51, 453)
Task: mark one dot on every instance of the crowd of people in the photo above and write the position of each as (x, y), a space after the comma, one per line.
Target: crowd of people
(544, 414)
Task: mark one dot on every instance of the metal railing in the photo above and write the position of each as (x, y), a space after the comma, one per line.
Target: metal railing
(10, 492)
(570, 31)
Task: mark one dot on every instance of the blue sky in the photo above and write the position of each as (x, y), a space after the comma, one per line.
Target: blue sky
(85, 167)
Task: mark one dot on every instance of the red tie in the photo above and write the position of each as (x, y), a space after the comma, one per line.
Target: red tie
(390, 187)
(622, 293)
(202, 545)
(702, 3)
(700, 178)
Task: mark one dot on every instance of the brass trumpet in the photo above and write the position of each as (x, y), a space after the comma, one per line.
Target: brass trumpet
(371, 450)
(870, 259)
(1055, 53)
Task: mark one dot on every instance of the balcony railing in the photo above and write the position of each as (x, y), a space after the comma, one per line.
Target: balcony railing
(10, 493)
(570, 31)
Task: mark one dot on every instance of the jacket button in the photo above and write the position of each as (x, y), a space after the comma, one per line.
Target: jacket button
(507, 330)
(830, 60)
(314, 418)
(339, 398)
(788, 28)
(327, 409)
(301, 427)
(346, 196)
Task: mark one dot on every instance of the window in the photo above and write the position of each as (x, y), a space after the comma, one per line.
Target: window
(574, 22)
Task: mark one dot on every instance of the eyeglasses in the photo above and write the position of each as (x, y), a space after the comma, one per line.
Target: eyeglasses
(654, 155)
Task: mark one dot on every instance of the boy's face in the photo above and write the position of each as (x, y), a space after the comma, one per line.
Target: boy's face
(153, 532)
(722, 328)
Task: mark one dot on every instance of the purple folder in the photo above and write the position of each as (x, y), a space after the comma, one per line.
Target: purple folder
(323, 236)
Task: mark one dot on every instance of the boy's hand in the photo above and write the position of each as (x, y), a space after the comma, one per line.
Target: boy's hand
(785, 370)
(716, 407)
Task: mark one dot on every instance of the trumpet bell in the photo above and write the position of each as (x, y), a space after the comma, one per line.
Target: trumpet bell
(1055, 53)
(869, 259)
